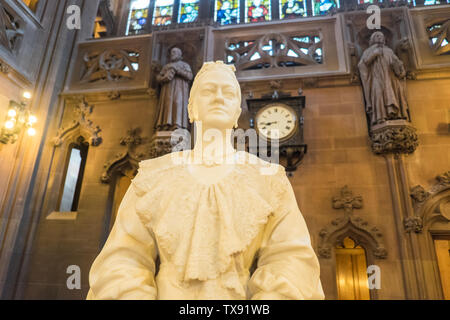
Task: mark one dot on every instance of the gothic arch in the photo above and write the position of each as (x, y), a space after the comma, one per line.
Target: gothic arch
(369, 237)
(360, 231)
(80, 125)
(431, 220)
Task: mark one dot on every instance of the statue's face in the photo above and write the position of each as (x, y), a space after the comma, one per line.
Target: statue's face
(175, 54)
(217, 101)
(378, 37)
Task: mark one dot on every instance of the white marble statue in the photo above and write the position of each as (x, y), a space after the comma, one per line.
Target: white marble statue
(209, 216)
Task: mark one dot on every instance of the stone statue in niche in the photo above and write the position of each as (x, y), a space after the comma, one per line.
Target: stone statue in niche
(174, 79)
(383, 80)
(210, 214)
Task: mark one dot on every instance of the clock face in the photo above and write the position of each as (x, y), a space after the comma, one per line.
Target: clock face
(276, 121)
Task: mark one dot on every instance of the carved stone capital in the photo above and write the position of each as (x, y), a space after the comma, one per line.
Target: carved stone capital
(380, 253)
(396, 136)
(114, 95)
(413, 224)
(4, 68)
(160, 144)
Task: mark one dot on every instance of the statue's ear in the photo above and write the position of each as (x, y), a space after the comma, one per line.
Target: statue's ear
(238, 114)
(195, 111)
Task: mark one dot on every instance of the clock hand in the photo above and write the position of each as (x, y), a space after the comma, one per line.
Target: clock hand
(269, 123)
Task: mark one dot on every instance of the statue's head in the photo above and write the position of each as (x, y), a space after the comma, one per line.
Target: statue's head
(377, 38)
(215, 97)
(175, 54)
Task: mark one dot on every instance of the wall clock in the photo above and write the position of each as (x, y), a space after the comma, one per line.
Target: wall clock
(280, 117)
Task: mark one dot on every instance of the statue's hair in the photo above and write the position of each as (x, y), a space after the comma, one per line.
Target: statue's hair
(210, 66)
(371, 41)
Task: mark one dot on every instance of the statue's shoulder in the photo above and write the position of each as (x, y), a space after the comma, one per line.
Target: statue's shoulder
(161, 163)
(263, 167)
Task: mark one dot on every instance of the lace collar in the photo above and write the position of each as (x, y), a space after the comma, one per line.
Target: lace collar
(203, 227)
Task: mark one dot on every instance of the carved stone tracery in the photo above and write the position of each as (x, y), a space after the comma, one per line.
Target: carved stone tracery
(10, 30)
(439, 34)
(110, 65)
(274, 50)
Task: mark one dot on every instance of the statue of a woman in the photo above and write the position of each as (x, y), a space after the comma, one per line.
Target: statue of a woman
(210, 217)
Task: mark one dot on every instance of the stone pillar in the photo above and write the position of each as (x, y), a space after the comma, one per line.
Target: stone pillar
(21, 209)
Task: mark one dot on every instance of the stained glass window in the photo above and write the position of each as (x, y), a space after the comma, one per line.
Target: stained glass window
(257, 10)
(321, 7)
(137, 16)
(188, 11)
(162, 15)
(292, 9)
(433, 2)
(227, 11)
(32, 4)
(365, 1)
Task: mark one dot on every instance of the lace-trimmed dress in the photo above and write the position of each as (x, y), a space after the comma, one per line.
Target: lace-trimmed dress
(207, 237)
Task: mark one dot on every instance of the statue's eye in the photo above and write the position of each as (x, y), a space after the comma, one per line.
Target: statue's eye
(228, 94)
(207, 92)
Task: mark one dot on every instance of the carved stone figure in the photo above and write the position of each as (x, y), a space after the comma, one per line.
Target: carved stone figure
(173, 100)
(210, 214)
(382, 77)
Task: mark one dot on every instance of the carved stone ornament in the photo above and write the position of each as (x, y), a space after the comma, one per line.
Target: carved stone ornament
(413, 224)
(110, 65)
(419, 194)
(161, 144)
(114, 95)
(274, 50)
(4, 68)
(395, 136)
(82, 124)
(349, 225)
(10, 30)
(124, 160)
(347, 201)
(444, 179)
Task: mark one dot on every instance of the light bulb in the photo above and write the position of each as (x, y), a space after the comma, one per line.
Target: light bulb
(9, 124)
(32, 119)
(31, 131)
(27, 95)
(12, 113)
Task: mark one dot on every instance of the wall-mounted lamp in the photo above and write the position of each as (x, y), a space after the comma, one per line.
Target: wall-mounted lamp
(18, 118)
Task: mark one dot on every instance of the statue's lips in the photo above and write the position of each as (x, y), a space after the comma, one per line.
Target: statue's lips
(218, 109)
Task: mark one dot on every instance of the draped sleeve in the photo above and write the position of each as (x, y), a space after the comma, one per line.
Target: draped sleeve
(287, 266)
(125, 267)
